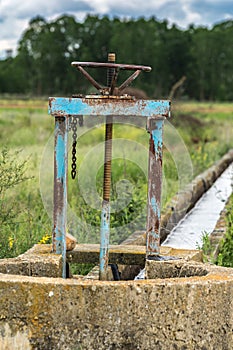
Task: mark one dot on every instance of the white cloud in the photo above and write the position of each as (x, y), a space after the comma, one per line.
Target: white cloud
(227, 16)
(100, 6)
(15, 14)
(190, 16)
(11, 31)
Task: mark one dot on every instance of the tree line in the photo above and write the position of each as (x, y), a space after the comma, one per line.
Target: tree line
(42, 64)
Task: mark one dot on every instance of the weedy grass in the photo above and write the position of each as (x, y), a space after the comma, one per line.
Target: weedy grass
(225, 256)
(205, 130)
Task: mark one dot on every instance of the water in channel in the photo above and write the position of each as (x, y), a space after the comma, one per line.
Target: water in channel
(204, 215)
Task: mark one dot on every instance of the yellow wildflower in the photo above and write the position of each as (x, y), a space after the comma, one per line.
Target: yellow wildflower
(45, 239)
(10, 242)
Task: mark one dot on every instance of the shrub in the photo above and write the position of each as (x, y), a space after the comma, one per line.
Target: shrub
(12, 173)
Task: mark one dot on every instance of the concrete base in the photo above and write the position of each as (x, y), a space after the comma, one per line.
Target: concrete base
(37, 261)
(169, 312)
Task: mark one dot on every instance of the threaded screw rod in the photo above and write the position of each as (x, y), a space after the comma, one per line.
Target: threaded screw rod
(105, 215)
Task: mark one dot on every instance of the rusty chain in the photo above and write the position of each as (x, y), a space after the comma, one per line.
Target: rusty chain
(74, 145)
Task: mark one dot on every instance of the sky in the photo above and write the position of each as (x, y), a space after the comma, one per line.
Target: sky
(16, 14)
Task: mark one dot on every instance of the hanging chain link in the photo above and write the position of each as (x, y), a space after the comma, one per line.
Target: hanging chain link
(74, 145)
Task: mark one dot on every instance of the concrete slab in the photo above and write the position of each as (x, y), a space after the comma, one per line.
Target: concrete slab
(192, 313)
(37, 261)
(124, 254)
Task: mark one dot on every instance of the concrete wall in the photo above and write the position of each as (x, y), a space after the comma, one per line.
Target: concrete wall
(42, 313)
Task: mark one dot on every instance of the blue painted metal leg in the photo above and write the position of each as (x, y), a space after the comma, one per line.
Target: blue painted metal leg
(105, 215)
(104, 240)
(155, 128)
(60, 189)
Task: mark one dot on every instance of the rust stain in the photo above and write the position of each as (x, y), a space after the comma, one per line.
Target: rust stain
(111, 65)
(51, 99)
(123, 100)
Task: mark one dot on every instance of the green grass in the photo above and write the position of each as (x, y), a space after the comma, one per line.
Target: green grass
(197, 135)
(81, 268)
(225, 256)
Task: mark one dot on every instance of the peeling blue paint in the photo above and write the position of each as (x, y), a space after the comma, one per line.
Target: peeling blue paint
(157, 136)
(104, 239)
(155, 207)
(58, 237)
(60, 190)
(153, 245)
(61, 106)
(60, 156)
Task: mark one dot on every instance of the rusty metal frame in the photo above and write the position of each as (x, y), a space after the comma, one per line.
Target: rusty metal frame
(155, 128)
(60, 188)
(93, 106)
(115, 68)
(108, 65)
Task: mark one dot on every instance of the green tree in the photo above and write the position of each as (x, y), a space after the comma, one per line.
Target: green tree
(46, 49)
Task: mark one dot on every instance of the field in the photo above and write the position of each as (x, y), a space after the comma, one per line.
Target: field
(196, 136)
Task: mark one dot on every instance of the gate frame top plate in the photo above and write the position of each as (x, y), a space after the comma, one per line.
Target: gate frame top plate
(97, 106)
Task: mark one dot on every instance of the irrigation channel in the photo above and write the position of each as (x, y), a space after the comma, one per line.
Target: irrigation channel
(204, 215)
(202, 218)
